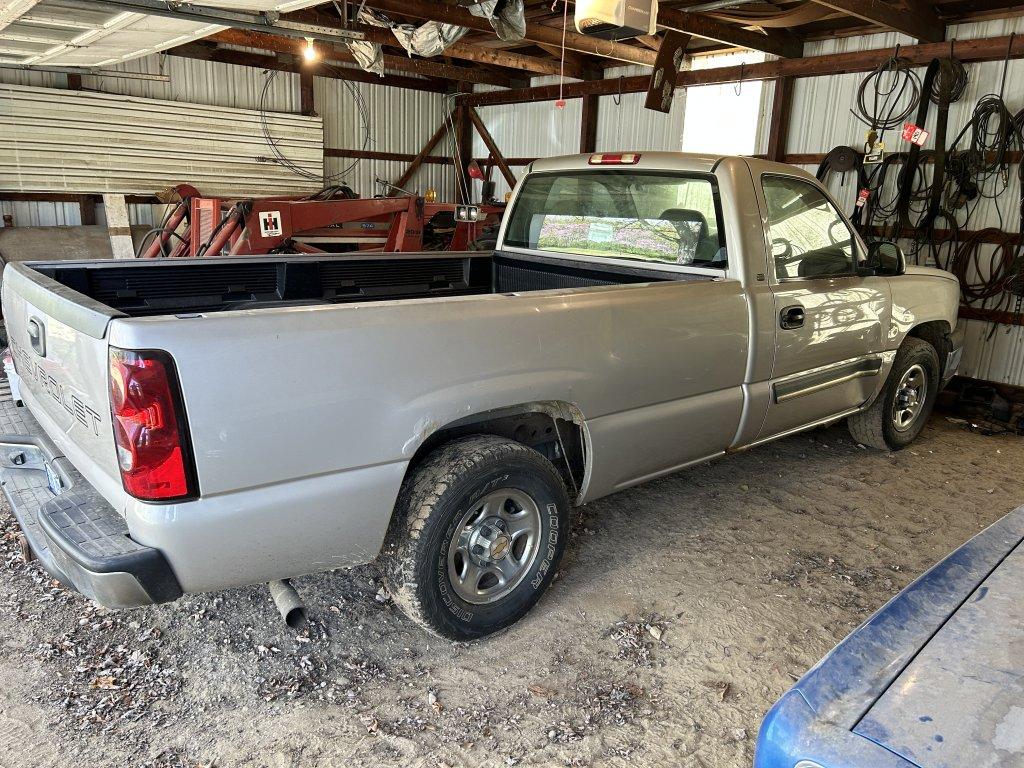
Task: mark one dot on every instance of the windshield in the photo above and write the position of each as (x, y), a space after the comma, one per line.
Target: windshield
(663, 218)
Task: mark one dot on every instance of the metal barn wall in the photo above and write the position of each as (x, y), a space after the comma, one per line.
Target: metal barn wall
(399, 120)
(540, 129)
(76, 141)
(203, 82)
(994, 353)
(537, 129)
(191, 81)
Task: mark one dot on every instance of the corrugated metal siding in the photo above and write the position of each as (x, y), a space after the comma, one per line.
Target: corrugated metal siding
(399, 119)
(191, 80)
(542, 130)
(35, 79)
(86, 142)
(994, 353)
(822, 120)
(202, 82)
(41, 214)
(821, 105)
(538, 129)
(628, 126)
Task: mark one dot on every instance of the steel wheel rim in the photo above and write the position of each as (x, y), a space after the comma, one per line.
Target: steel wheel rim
(494, 546)
(911, 394)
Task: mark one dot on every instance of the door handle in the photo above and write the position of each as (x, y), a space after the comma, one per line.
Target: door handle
(792, 317)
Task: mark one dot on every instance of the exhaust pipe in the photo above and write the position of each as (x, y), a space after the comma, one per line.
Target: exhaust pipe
(288, 603)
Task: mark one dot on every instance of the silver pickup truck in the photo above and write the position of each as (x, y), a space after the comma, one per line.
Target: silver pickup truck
(198, 425)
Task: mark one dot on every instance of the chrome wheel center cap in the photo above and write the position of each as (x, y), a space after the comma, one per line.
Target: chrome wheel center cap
(499, 547)
(489, 541)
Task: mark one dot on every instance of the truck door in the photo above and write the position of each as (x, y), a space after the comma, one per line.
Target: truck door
(829, 321)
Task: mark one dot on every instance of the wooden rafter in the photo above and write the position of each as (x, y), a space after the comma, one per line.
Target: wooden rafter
(424, 67)
(917, 20)
(777, 43)
(650, 41)
(967, 51)
(210, 52)
(515, 62)
(535, 33)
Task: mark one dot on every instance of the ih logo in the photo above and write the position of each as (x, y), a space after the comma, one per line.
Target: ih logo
(270, 224)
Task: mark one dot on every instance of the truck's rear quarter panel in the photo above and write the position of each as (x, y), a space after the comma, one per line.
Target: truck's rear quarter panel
(304, 420)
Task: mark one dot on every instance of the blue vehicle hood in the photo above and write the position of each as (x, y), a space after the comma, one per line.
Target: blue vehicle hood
(893, 693)
(960, 702)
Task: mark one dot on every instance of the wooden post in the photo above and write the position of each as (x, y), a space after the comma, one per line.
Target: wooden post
(492, 147)
(778, 129)
(118, 227)
(588, 124)
(306, 106)
(464, 149)
(87, 210)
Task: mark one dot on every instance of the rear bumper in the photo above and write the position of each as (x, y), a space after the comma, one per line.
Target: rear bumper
(77, 536)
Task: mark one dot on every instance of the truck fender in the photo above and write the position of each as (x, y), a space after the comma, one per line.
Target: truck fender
(554, 428)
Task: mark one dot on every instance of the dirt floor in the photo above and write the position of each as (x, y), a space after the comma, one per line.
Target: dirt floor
(684, 608)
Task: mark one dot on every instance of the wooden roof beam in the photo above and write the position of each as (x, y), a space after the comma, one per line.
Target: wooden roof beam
(967, 51)
(516, 62)
(650, 41)
(423, 67)
(778, 43)
(535, 33)
(210, 52)
(918, 20)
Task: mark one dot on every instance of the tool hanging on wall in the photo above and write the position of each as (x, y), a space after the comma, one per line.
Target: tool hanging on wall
(939, 81)
(885, 98)
(843, 160)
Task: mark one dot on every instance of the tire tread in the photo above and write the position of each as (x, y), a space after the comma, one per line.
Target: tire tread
(417, 500)
(868, 426)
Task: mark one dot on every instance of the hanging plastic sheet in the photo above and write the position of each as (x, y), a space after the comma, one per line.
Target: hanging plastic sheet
(369, 56)
(507, 17)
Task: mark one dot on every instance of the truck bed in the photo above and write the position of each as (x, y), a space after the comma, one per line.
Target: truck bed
(167, 287)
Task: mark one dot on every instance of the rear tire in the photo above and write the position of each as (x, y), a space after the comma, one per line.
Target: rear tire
(480, 527)
(903, 406)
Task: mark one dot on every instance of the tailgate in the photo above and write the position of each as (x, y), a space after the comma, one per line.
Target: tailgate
(57, 338)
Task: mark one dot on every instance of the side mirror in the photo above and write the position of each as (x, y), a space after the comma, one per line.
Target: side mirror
(885, 258)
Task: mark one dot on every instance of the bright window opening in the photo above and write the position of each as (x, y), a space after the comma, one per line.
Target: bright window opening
(723, 119)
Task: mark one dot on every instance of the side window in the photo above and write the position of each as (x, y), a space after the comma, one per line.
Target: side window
(807, 235)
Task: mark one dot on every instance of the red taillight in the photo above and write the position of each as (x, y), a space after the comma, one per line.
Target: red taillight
(618, 158)
(149, 425)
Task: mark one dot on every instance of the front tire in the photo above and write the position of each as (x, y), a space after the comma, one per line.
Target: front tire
(481, 526)
(903, 406)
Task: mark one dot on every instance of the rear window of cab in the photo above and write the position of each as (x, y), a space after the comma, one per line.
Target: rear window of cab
(660, 218)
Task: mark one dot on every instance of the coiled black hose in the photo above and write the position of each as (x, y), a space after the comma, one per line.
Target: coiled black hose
(888, 95)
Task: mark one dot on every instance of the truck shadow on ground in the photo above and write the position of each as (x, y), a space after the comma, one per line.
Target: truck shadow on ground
(683, 608)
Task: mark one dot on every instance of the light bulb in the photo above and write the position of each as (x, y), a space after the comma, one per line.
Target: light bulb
(309, 52)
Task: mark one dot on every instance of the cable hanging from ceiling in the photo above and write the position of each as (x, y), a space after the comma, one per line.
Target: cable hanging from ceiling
(280, 158)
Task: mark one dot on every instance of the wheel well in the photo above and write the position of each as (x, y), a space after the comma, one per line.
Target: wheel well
(936, 333)
(555, 430)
